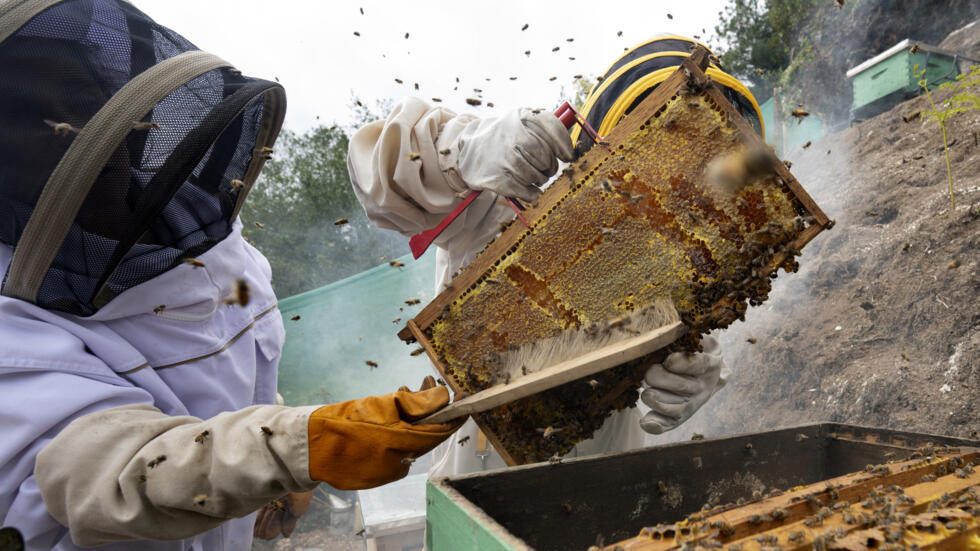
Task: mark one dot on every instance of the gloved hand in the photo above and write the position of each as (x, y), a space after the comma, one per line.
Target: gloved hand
(513, 154)
(281, 515)
(677, 388)
(370, 442)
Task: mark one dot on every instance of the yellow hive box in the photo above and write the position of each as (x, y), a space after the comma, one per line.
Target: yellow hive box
(621, 229)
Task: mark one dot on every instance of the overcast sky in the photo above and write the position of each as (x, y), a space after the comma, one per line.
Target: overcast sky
(310, 46)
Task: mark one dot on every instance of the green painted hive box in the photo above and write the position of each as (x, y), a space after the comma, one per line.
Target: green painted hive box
(604, 499)
(891, 76)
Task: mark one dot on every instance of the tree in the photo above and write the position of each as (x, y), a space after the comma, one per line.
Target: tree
(302, 191)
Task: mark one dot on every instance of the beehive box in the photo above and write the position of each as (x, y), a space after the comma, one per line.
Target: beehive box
(892, 76)
(620, 499)
(623, 228)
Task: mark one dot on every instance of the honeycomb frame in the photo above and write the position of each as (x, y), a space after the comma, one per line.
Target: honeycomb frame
(710, 263)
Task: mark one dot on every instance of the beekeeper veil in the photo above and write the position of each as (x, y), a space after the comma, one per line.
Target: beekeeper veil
(123, 149)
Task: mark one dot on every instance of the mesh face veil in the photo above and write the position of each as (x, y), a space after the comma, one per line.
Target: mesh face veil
(631, 78)
(123, 149)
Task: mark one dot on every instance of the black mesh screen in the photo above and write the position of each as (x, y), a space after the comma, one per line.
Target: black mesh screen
(165, 194)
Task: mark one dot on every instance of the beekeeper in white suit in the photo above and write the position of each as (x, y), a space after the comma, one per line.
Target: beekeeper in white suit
(139, 334)
(512, 156)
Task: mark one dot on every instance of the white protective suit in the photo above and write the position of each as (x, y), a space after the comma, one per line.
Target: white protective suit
(110, 395)
(410, 197)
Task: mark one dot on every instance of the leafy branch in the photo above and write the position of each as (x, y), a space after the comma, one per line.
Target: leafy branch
(961, 100)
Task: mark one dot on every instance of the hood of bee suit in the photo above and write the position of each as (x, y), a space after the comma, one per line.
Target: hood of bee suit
(631, 78)
(124, 150)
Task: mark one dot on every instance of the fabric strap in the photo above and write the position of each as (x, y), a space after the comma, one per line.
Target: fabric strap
(76, 173)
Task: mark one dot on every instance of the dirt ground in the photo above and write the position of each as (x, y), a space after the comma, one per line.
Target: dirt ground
(881, 326)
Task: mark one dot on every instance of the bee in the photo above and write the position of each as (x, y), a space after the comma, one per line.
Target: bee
(193, 262)
(463, 440)
(412, 301)
(788, 163)
(748, 446)
(490, 104)
(200, 438)
(406, 36)
(160, 308)
(140, 126)
(155, 462)
(527, 53)
(607, 231)
(440, 382)
(556, 48)
(266, 152)
(779, 514)
(237, 185)
(552, 78)
(796, 536)
(474, 102)
(548, 432)
(396, 320)
(524, 370)
(807, 144)
(755, 519)
(357, 33)
(371, 364)
(606, 185)
(259, 225)
(362, 11)
(592, 383)
(751, 340)
(408, 460)
(697, 436)
(513, 78)
(265, 430)
(340, 222)
(417, 351)
(526, 25)
(670, 16)
(554, 459)
(241, 293)
(360, 532)
(399, 81)
(396, 264)
(142, 478)
(801, 437)
(492, 281)
(61, 128)
(759, 72)
(799, 114)
(200, 500)
(416, 85)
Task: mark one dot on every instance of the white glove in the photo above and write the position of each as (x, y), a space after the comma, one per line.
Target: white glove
(511, 155)
(677, 388)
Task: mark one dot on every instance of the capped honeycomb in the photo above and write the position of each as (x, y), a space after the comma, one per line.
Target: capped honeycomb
(623, 230)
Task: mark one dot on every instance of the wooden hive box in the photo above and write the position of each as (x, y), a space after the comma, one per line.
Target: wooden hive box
(622, 228)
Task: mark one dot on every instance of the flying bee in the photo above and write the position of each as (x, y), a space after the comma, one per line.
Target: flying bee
(606, 185)
(156, 461)
(807, 144)
(413, 156)
(751, 340)
(593, 383)
(265, 430)
(444, 151)
(193, 262)
(241, 293)
(490, 104)
(463, 440)
(406, 36)
(371, 364)
(552, 78)
(554, 459)
(417, 351)
(492, 280)
(437, 100)
(474, 102)
(61, 128)
(412, 301)
(396, 264)
(200, 438)
(140, 126)
(357, 33)
(527, 52)
(259, 225)
(398, 80)
(200, 500)
(416, 85)
(408, 460)
(523, 370)
(607, 231)
(340, 221)
(799, 114)
(237, 185)
(548, 432)
(556, 48)
(526, 25)
(160, 308)
(396, 320)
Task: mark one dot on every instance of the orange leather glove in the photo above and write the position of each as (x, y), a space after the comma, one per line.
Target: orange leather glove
(281, 515)
(370, 442)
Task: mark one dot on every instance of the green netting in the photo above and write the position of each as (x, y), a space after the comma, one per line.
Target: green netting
(349, 322)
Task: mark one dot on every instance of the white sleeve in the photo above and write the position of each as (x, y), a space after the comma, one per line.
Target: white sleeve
(133, 472)
(409, 194)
